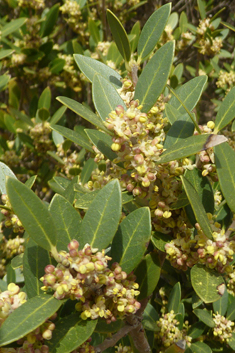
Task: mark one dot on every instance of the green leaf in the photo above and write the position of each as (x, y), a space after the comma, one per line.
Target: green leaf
(231, 311)
(57, 65)
(94, 31)
(23, 117)
(185, 148)
(159, 240)
(69, 192)
(84, 201)
(231, 341)
(12, 26)
(57, 139)
(180, 129)
(35, 260)
(89, 166)
(4, 172)
(50, 21)
(45, 99)
(181, 202)
(152, 31)
(43, 114)
(67, 221)
(148, 274)
(174, 298)
(224, 160)
(82, 111)
(33, 214)
(205, 283)
(204, 190)
(4, 79)
(103, 142)
(200, 347)
(17, 261)
(28, 317)
(11, 276)
(205, 317)
(196, 330)
(6, 52)
(136, 32)
(119, 35)
(58, 115)
(101, 220)
(189, 94)
(70, 333)
(226, 111)
(90, 67)
(202, 8)
(73, 136)
(221, 305)
(197, 206)
(105, 97)
(150, 317)
(154, 76)
(103, 327)
(131, 239)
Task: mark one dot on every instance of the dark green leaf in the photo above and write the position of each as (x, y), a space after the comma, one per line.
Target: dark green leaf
(154, 77)
(119, 35)
(205, 283)
(131, 239)
(50, 21)
(5, 52)
(180, 129)
(82, 111)
(23, 117)
(34, 262)
(159, 240)
(11, 276)
(101, 220)
(28, 317)
(45, 99)
(66, 219)
(200, 347)
(205, 317)
(189, 94)
(224, 160)
(196, 330)
(174, 298)
(33, 214)
(94, 31)
(150, 317)
(105, 97)
(226, 111)
(147, 274)
(197, 206)
(70, 333)
(136, 32)
(56, 65)
(231, 311)
(90, 67)
(73, 136)
(103, 142)
(221, 305)
(152, 31)
(89, 166)
(17, 261)
(58, 115)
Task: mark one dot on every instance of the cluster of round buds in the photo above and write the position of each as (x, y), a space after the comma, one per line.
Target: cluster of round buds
(223, 329)
(33, 4)
(207, 46)
(123, 349)
(216, 253)
(226, 80)
(69, 74)
(169, 332)
(84, 275)
(10, 300)
(86, 347)
(11, 220)
(127, 91)
(186, 38)
(138, 140)
(205, 159)
(12, 247)
(167, 35)
(40, 135)
(231, 283)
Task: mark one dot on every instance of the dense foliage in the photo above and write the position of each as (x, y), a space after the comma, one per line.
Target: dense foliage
(117, 177)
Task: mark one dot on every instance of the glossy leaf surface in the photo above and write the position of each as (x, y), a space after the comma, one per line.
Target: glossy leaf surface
(33, 214)
(101, 220)
(154, 77)
(28, 317)
(226, 111)
(5, 171)
(205, 283)
(103, 142)
(131, 239)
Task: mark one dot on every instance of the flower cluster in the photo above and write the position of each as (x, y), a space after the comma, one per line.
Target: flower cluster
(226, 80)
(216, 253)
(169, 331)
(11, 220)
(223, 329)
(123, 349)
(207, 45)
(33, 4)
(84, 275)
(40, 135)
(10, 300)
